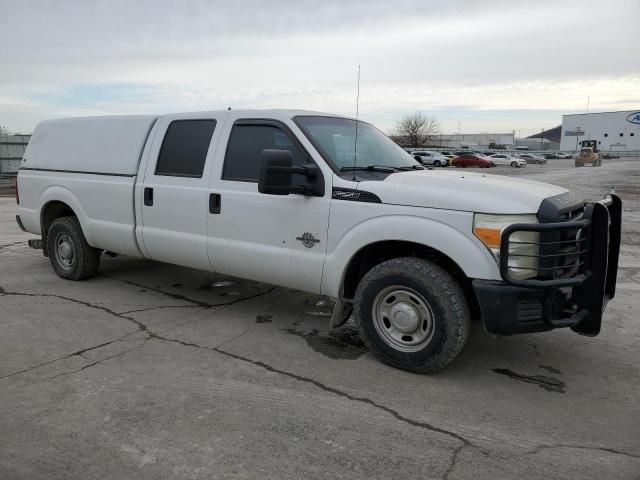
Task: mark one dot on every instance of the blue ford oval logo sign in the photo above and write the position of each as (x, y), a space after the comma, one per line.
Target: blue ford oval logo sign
(634, 118)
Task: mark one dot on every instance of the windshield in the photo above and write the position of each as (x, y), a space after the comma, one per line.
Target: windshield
(335, 139)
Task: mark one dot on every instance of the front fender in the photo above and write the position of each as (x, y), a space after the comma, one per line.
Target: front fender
(454, 239)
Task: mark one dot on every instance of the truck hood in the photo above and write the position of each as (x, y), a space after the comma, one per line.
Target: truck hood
(458, 190)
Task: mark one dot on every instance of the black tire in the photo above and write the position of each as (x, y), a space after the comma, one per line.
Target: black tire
(71, 256)
(437, 163)
(514, 164)
(577, 164)
(449, 322)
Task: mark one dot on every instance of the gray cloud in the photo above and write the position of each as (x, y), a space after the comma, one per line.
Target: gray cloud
(413, 53)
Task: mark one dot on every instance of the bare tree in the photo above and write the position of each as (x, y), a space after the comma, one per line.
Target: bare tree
(416, 130)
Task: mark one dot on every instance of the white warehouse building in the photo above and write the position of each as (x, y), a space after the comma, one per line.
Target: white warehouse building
(614, 131)
(474, 140)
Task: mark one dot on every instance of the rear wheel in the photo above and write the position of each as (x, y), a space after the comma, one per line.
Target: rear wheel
(412, 314)
(71, 256)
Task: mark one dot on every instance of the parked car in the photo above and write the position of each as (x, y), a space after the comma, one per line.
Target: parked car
(467, 159)
(431, 158)
(273, 196)
(534, 159)
(552, 156)
(505, 159)
(483, 156)
(564, 156)
(609, 156)
(449, 155)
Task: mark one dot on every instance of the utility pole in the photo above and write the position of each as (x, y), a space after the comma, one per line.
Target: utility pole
(541, 138)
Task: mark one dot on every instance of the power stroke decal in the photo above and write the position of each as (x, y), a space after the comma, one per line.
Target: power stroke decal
(354, 195)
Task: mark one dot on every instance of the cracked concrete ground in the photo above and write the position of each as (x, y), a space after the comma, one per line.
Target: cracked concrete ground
(155, 371)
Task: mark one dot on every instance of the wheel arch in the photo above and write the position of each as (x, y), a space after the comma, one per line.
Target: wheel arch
(380, 251)
(59, 202)
(438, 238)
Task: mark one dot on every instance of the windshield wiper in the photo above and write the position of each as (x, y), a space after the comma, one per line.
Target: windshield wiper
(410, 167)
(381, 168)
(370, 168)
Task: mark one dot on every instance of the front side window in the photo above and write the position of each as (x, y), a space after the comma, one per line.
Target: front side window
(335, 138)
(184, 148)
(246, 143)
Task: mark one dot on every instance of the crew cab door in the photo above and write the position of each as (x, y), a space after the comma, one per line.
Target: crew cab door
(280, 239)
(174, 197)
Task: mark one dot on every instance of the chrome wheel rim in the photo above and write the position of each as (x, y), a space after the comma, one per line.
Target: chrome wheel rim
(64, 251)
(403, 319)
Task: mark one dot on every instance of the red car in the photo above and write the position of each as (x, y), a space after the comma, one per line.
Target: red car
(468, 159)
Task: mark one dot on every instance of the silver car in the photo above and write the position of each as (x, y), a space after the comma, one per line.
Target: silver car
(505, 159)
(431, 158)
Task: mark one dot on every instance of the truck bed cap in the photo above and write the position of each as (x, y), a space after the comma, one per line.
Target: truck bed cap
(102, 145)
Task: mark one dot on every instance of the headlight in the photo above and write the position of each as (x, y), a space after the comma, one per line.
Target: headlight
(523, 248)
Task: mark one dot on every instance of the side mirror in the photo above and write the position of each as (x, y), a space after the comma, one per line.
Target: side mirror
(276, 174)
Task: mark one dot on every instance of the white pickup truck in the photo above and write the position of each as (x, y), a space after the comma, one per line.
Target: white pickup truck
(327, 205)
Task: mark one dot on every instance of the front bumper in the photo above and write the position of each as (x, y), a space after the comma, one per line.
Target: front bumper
(562, 295)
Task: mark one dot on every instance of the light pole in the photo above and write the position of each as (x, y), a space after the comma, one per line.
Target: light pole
(541, 138)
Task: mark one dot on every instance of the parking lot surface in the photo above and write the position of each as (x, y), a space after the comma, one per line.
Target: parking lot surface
(152, 371)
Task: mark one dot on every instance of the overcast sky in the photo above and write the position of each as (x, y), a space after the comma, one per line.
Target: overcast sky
(481, 66)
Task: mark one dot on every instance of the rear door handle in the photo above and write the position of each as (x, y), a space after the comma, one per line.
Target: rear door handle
(215, 203)
(148, 196)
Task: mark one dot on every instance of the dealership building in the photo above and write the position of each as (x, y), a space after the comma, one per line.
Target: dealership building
(614, 131)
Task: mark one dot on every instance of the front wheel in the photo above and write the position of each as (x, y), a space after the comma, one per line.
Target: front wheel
(437, 163)
(71, 256)
(514, 164)
(412, 314)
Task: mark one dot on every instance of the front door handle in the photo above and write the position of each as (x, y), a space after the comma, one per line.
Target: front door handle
(148, 196)
(215, 203)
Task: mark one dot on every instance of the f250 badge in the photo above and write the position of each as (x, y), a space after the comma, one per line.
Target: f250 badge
(349, 195)
(308, 240)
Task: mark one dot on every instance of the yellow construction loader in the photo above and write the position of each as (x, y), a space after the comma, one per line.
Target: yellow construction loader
(589, 154)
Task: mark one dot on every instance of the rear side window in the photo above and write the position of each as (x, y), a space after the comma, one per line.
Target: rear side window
(184, 148)
(246, 142)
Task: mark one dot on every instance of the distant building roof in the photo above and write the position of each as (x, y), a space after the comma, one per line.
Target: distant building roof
(553, 134)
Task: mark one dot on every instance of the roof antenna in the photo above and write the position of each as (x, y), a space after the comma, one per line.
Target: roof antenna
(355, 144)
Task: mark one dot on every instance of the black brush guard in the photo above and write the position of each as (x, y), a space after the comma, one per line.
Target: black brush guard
(575, 277)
